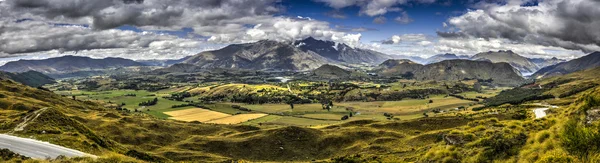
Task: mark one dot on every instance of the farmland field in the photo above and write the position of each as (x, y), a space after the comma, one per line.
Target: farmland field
(236, 119)
(209, 116)
(119, 97)
(407, 107)
(314, 114)
(196, 114)
(268, 114)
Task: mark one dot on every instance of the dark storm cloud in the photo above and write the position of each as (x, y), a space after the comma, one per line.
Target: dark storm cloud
(451, 34)
(220, 21)
(35, 36)
(387, 42)
(560, 23)
(108, 14)
(66, 8)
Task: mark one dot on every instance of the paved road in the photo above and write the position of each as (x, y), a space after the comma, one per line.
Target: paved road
(37, 149)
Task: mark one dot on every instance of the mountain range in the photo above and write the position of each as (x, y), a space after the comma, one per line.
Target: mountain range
(443, 57)
(586, 62)
(261, 55)
(453, 70)
(543, 62)
(341, 52)
(67, 64)
(163, 63)
(300, 55)
(523, 64)
(517, 61)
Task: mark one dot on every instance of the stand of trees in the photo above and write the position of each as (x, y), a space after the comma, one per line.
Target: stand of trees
(149, 103)
(179, 96)
(516, 96)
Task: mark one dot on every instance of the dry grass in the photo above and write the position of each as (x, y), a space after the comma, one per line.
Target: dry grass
(236, 119)
(196, 114)
(405, 107)
(209, 116)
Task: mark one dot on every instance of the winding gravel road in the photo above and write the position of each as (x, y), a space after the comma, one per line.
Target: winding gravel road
(37, 149)
(541, 112)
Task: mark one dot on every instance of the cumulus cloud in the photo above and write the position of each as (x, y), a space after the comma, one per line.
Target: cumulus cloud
(354, 29)
(425, 43)
(396, 39)
(336, 14)
(470, 46)
(32, 36)
(221, 21)
(372, 7)
(287, 29)
(106, 14)
(379, 20)
(403, 18)
(569, 24)
(425, 46)
(129, 53)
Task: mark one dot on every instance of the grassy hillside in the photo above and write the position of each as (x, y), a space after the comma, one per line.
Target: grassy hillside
(30, 78)
(504, 133)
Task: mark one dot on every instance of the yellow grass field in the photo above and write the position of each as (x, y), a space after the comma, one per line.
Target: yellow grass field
(240, 118)
(196, 114)
(209, 116)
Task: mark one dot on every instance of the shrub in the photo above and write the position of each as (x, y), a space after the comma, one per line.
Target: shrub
(19, 106)
(556, 157)
(345, 117)
(500, 145)
(543, 136)
(579, 139)
(478, 108)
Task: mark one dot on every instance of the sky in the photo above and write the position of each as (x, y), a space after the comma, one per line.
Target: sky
(170, 29)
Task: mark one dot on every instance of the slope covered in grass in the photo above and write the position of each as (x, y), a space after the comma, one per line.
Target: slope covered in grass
(506, 133)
